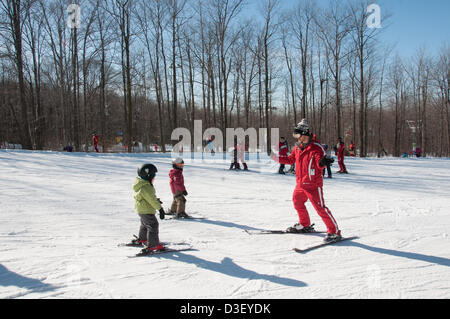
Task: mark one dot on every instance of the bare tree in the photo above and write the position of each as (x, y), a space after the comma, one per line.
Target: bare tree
(16, 12)
(442, 80)
(364, 38)
(333, 27)
(151, 17)
(55, 26)
(222, 13)
(175, 8)
(301, 25)
(269, 30)
(121, 11)
(35, 39)
(396, 77)
(290, 67)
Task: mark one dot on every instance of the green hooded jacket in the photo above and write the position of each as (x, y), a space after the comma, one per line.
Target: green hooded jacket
(145, 197)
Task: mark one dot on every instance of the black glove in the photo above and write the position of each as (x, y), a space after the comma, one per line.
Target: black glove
(162, 214)
(185, 193)
(326, 161)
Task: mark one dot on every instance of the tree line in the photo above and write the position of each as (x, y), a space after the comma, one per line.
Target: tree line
(146, 67)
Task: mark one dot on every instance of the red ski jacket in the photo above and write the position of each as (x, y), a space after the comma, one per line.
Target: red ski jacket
(176, 181)
(95, 140)
(283, 149)
(307, 167)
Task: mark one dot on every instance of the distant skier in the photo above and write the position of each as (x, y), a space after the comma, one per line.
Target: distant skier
(341, 155)
(283, 150)
(418, 152)
(209, 144)
(178, 189)
(146, 205)
(292, 168)
(95, 142)
(335, 149)
(310, 159)
(383, 152)
(238, 155)
(330, 161)
(351, 149)
(68, 149)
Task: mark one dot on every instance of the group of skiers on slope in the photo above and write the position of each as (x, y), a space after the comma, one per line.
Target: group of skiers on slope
(283, 152)
(69, 148)
(147, 204)
(237, 153)
(309, 157)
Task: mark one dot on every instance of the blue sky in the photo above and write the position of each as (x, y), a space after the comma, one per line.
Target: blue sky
(415, 23)
(412, 23)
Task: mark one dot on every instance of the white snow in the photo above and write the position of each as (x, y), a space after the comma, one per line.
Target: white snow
(63, 214)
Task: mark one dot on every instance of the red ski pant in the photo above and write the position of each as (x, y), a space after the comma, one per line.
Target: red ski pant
(315, 196)
(341, 164)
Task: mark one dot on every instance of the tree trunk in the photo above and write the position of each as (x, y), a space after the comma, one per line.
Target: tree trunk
(15, 7)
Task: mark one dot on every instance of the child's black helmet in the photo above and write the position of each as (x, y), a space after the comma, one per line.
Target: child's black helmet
(147, 172)
(302, 128)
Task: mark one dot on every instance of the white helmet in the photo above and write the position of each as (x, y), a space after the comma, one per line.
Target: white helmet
(178, 160)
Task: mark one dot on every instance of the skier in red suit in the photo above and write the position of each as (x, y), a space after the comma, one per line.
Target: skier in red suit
(283, 151)
(310, 159)
(340, 155)
(95, 142)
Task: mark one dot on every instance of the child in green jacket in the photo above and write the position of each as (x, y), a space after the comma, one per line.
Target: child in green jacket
(146, 205)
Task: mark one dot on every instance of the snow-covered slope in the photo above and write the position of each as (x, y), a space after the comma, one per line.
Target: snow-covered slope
(62, 216)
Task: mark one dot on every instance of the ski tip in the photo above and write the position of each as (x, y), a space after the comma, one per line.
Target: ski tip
(300, 251)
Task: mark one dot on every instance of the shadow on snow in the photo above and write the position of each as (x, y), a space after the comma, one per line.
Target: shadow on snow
(229, 268)
(220, 223)
(9, 278)
(421, 257)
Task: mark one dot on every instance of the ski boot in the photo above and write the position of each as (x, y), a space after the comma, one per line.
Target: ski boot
(331, 238)
(300, 229)
(169, 212)
(150, 250)
(136, 242)
(181, 215)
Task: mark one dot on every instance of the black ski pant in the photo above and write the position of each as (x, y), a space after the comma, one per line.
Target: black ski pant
(328, 169)
(149, 229)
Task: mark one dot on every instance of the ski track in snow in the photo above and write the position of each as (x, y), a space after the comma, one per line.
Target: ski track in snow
(62, 216)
